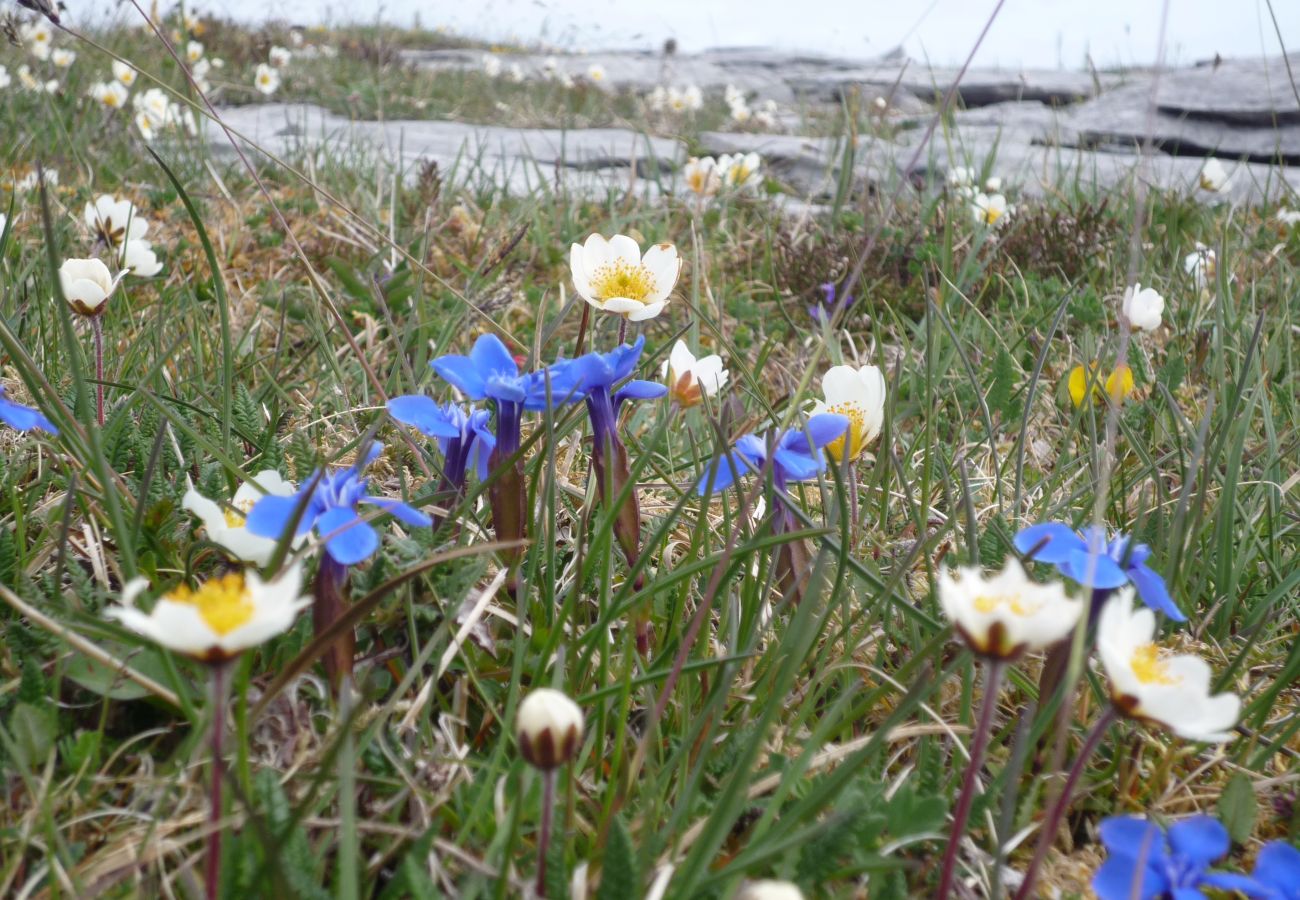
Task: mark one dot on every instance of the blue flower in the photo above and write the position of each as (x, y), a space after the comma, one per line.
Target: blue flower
(1070, 552)
(462, 435)
(827, 308)
(1277, 871)
(332, 502)
(1145, 863)
(23, 418)
(796, 455)
(594, 375)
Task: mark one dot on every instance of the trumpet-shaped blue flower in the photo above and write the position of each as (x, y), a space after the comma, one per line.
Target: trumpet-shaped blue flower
(594, 375)
(332, 506)
(1145, 862)
(463, 435)
(829, 306)
(23, 418)
(1117, 562)
(796, 455)
(1277, 871)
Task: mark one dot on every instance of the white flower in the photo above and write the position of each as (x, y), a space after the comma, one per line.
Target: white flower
(1288, 217)
(193, 51)
(961, 177)
(191, 21)
(145, 123)
(741, 113)
(702, 175)
(990, 209)
(1143, 307)
(39, 38)
(266, 79)
(596, 73)
(5, 80)
(613, 276)
(153, 103)
(993, 184)
(743, 170)
(223, 617)
(769, 890)
(279, 57)
(766, 115)
(690, 380)
(63, 58)
(1213, 176)
(139, 259)
(515, 73)
(491, 65)
(4, 223)
(31, 83)
(1148, 682)
(115, 221)
(123, 73)
(109, 94)
(1007, 614)
(548, 727)
(225, 526)
(858, 394)
(658, 98)
(87, 284)
(550, 67)
(29, 181)
(199, 72)
(676, 100)
(733, 95)
(181, 118)
(693, 98)
(1202, 264)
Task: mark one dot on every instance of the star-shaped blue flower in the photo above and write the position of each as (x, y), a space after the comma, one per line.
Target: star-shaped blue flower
(23, 418)
(1145, 862)
(796, 455)
(1277, 871)
(463, 435)
(1116, 563)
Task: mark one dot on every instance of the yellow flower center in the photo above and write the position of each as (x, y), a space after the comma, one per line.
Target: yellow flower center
(236, 513)
(740, 173)
(110, 99)
(698, 180)
(619, 279)
(856, 435)
(224, 603)
(988, 603)
(991, 214)
(1149, 667)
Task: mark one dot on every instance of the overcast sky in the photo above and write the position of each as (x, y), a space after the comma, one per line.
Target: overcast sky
(1028, 33)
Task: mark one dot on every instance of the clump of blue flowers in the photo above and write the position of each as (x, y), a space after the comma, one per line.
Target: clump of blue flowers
(1112, 563)
(464, 438)
(1145, 862)
(23, 418)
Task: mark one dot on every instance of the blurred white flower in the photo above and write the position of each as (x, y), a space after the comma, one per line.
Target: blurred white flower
(123, 73)
(154, 103)
(741, 113)
(596, 73)
(769, 890)
(114, 221)
(226, 526)
(1143, 307)
(690, 380)
(199, 71)
(39, 38)
(515, 73)
(993, 184)
(858, 394)
(221, 618)
(766, 115)
(961, 177)
(702, 175)
(657, 99)
(109, 94)
(1007, 614)
(145, 124)
(1153, 684)
(491, 65)
(1214, 177)
(733, 95)
(613, 276)
(193, 51)
(266, 79)
(5, 80)
(1202, 265)
(1288, 217)
(31, 83)
(87, 285)
(139, 259)
(990, 209)
(63, 58)
(742, 170)
(693, 97)
(279, 57)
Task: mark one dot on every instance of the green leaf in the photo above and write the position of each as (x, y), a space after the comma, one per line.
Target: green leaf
(1238, 807)
(109, 682)
(912, 814)
(1003, 386)
(618, 874)
(33, 730)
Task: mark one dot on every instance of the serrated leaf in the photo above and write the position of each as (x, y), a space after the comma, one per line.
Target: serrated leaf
(33, 731)
(618, 874)
(1238, 808)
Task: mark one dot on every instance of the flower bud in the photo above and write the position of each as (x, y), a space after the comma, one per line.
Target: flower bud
(549, 728)
(769, 890)
(87, 284)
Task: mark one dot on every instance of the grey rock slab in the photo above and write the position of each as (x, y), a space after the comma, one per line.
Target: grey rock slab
(1252, 93)
(520, 160)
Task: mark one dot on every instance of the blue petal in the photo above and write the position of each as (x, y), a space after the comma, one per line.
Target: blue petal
(460, 373)
(399, 510)
(721, 474)
(424, 414)
(1278, 867)
(24, 418)
(1106, 574)
(1151, 588)
(348, 539)
(640, 390)
(1058, 541)
(1200, 839)
(1120, 879)
(271, 516)
(490, 356)
(1138, 555)
(817, 433)
(1231, 881)
(752, 450)
(1129, 836)
(798, 466)
(623, 359)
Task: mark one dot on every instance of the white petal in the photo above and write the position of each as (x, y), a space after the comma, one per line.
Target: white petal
(623, 248)
(621, 305)
(648, 311)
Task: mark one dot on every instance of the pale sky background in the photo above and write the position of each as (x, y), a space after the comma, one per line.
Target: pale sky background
(1028, 33)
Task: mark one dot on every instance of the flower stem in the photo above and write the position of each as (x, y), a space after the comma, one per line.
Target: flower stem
(544, 839)
(213, 872)
(978, 744)
(622, 330)
(1058, 809)
(97, 328)
(581, 344)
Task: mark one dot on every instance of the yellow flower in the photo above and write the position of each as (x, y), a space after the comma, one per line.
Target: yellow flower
(1119, 384)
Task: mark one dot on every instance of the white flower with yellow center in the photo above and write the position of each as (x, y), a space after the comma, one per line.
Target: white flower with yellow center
(1143, 307)
(31, 83)
(193, 51)
(741, 113)
(39, 38)
(124, 73)
(858, 394)
(491, 65)
(1150, 683)
(743, 170)
(596, 73)
(63, 58)
(155, 104)
(114, 221)
(657, 99)
(266, 79)
(990, 209)
(226, 526)
(993, 185)
(613, 276)
(87, 285)
(109, 94)
(1214, 177)
(1007, 614)
(144, 122)
(1289, 218)
(221, 618)
(702, 175)
(279, 57)
(690, 380)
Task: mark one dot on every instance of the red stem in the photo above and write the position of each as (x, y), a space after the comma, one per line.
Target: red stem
(544, 840)
(97, 328)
